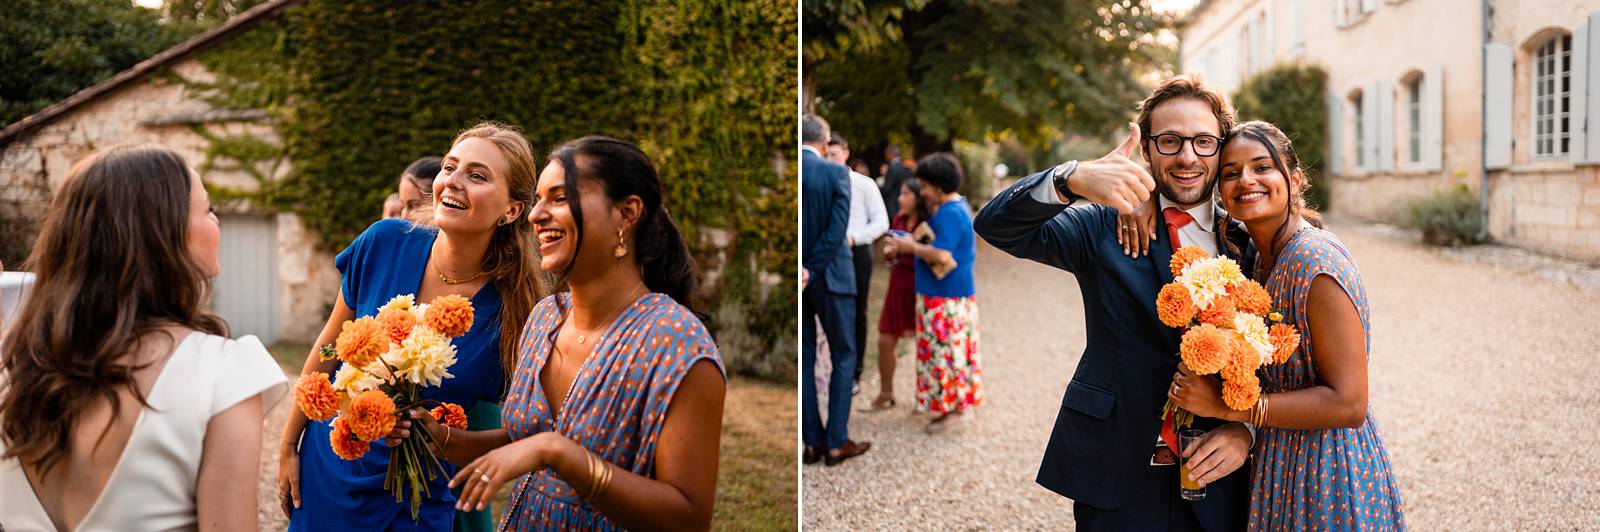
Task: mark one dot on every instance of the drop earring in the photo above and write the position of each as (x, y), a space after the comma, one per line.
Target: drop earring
(622, 248)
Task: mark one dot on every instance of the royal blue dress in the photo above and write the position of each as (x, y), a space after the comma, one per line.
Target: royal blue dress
(385, 261)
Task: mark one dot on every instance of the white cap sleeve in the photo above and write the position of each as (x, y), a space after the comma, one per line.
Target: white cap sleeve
(248, 369)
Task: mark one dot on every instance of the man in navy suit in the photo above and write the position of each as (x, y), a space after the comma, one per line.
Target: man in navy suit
(1109, 451)
(829, 295)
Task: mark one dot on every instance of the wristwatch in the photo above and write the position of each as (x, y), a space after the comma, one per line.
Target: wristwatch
(1058, 178)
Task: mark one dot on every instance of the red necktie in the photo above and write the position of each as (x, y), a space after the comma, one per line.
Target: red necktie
(1176, 218)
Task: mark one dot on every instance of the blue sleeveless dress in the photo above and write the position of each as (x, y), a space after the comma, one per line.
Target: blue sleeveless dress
(387, 260)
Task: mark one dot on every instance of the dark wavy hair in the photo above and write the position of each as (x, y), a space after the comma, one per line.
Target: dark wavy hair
(624, 170)
(113, 266)
(420, 170)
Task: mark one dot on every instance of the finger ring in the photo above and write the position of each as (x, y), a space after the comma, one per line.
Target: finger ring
(484, 478)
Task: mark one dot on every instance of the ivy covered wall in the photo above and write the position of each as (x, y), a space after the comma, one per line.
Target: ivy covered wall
(357, 89)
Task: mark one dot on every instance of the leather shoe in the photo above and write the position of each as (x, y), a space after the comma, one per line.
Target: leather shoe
(811, 455)
(850, 449)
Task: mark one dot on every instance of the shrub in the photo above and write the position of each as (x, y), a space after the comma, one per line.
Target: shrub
(1448, 217)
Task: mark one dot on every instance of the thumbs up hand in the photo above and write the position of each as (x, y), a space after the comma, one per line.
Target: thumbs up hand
(1115, 180)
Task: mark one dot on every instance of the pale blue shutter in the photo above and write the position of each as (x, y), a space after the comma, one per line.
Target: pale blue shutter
(1497, 103)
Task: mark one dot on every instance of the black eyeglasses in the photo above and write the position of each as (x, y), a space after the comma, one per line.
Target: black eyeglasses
(1170, 143)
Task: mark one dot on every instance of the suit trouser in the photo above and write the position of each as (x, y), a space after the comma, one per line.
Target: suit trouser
(1154, 505)
(862, 256)
(836, 311)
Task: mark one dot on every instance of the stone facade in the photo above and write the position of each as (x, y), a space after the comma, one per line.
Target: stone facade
(160, 110)
(1376, 52)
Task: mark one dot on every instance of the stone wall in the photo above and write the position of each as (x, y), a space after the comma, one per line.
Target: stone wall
(1552, 209)
(160, 110)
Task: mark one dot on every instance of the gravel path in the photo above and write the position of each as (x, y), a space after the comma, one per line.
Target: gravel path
(1482, 382)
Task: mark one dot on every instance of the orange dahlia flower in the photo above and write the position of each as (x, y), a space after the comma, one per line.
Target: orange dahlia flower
(315, 396)
(1249, 296)
(451, 315)
(361, 341)
(1242, 360)
(344, 442)
(1285, 339)
(1185, 256)
(1205, 348)
(397, 323)
(451, 415)
(1220, 314)
(1174, 306)
(371, 415)
(1241, 394)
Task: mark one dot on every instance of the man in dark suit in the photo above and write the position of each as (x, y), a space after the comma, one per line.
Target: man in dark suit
(1109, 450)
(893, 176)
(829, 295)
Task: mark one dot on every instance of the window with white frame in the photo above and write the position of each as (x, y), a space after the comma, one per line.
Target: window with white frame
(1552, 101)
(1360, 147)
(1414, 119)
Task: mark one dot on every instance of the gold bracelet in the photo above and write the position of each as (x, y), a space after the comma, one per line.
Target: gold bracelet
(605, 481)
(594, 478)
(446, 439)
(1264, 406)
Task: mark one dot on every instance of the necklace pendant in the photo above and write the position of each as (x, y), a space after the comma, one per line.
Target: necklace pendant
(582, 338)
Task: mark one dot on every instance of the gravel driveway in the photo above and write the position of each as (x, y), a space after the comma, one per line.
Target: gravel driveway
(1483, 382)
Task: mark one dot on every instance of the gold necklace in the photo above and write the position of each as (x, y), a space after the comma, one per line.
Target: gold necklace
(451, 280)
(583, 337)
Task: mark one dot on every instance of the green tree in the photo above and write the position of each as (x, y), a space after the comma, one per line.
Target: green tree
(963, 69)
(50, 49)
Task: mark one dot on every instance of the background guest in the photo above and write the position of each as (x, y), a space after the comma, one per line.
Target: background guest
(829, 296)
(899, 315)
(868, 221)
(949, 376)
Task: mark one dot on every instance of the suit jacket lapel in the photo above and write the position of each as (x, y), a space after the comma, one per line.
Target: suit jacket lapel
(1161, 253)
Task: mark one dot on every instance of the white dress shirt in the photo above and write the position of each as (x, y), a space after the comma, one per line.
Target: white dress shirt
(868, 217)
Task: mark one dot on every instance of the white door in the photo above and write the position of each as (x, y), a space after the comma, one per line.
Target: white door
(246, 293)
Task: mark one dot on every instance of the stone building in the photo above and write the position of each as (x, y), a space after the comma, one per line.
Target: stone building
(275, 283)
(1425, 94)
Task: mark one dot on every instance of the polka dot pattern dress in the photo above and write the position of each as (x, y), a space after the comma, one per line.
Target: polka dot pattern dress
(616, 406)
(1332, 479)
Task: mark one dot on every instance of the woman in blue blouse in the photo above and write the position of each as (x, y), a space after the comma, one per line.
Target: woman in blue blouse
(949, 377)
(479, 247)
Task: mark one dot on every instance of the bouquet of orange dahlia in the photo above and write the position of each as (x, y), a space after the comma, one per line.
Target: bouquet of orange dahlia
(1225, 316)
(388, 359)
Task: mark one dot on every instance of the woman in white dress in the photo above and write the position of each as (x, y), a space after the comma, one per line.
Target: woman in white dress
(122, 404)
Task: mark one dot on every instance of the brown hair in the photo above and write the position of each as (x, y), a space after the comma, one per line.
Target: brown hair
(113, 265)
(1287, 163)
(1190, 86)
(509, 261)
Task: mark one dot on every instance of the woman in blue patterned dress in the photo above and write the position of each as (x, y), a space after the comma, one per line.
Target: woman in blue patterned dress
(1319, 462)
(614, 415)
(479, 247)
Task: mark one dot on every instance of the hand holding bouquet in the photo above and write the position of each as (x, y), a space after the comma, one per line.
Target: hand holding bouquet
(388, 359)
(1224, 315)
